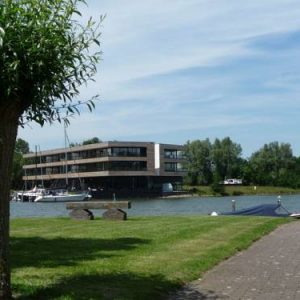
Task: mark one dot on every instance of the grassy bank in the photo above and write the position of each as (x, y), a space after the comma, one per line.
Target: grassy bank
(142, 258)
(243, 190)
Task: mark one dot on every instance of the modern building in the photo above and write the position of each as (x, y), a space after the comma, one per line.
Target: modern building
(109, 167)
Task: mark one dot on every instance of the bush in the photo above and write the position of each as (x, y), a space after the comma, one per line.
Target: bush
(237, 193)
(218, 188)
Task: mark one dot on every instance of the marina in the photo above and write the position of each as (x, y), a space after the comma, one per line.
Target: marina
(159, 207)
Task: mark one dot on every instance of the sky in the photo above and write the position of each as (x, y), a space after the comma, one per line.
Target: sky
(179, 70)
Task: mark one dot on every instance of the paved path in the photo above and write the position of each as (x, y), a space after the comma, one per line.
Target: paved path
(269, 269)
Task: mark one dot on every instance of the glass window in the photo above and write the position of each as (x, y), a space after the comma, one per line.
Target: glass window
(170, 167)
(127, 166)
(170, 153)
(173, 167)
(180, 154)
(74, 169)
(129, 151)
(74, 155)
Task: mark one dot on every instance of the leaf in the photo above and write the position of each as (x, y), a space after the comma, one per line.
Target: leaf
(96, 41)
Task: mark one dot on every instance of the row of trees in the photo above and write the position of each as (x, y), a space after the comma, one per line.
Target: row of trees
(21, 148)
(207, 162)
(273, 164)
(93, 140)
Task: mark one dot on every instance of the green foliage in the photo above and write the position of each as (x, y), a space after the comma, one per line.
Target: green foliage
(17, 172)
(93, 140)
(203, 158)
(21, 147)
(217, 187)
(66, 259)
(226, 156)
(273, 164)
(46, 56)
(198, 162)
(74, 144)
(236, 190)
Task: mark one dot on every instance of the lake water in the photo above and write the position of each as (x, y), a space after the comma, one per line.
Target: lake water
(156, 207)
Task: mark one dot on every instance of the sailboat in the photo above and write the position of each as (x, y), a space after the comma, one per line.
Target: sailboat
(62, 195)
(28, 196)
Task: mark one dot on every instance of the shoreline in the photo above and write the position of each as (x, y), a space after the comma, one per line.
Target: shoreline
(241, 190)
(229, 195)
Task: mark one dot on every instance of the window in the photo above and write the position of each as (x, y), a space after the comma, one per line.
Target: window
(128, 151)
(74, 169)
(75, 155)
(180, 154)
(127, 166)
(173, 167)
(170, 153)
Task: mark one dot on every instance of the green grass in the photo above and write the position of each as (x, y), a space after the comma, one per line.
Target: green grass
(142, 258)
(236, 190)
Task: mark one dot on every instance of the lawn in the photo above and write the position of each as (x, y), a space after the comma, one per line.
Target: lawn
(142, 258)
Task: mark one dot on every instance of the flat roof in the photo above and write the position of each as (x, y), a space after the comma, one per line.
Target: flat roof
(98, 145)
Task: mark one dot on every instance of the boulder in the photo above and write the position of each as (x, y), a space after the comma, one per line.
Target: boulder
(115, 214)
(81, 214)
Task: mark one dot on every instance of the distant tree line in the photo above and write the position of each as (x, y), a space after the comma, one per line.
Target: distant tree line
(21, 147)
(93, 140)
(209, 162)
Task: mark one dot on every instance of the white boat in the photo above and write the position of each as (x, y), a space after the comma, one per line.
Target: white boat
(62, 197)
(28, 196)
(233, 181)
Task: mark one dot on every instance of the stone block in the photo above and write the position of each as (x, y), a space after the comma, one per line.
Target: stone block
(115, 214)
(81, 214)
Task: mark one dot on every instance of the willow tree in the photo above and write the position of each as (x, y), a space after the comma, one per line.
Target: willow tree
(47, 53)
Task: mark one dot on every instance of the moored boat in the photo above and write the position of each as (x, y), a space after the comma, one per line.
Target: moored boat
(62, 197)
(269, 209)
(28, 196)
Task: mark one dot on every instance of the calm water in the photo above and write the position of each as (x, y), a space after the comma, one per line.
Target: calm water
(156, 207)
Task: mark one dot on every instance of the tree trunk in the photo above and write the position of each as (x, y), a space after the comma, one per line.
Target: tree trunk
(9, 115)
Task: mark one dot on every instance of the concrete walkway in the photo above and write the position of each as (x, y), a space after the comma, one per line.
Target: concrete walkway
(269, 269)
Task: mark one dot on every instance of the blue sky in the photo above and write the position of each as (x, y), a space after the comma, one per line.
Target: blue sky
(178, 70)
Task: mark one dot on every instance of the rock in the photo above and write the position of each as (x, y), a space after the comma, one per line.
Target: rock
(115, 214)
(81, 214)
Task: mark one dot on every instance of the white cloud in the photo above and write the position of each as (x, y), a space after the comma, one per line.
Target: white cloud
(146, 43)
(141, 38)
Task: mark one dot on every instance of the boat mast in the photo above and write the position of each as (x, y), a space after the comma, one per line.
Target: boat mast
(41, 166)
(66, 155)
(25, 186)
(36, 164)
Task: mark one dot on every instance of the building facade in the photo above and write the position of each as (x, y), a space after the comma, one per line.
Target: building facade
(108, 167)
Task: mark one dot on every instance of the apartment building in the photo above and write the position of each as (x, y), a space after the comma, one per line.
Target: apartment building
(108, 167)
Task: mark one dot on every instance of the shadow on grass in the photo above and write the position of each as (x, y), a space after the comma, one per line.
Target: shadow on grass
(51, 253)
(103, 286)
(125, 286)
(40, 252)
